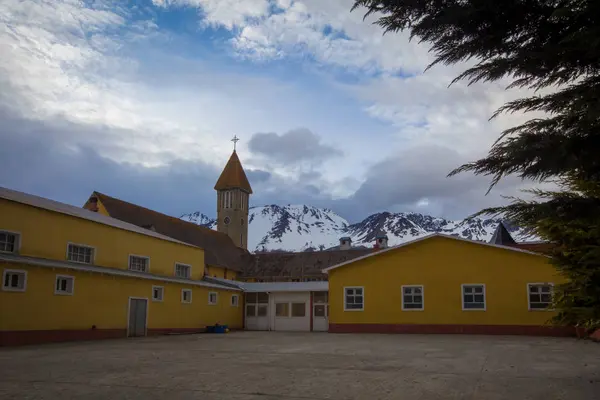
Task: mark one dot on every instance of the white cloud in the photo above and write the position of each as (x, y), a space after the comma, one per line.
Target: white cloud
(76, 60)
(228, 13)
(68, 59)
(301, 27)
(420, 105)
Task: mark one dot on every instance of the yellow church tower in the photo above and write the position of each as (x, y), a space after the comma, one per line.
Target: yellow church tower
(233, 194)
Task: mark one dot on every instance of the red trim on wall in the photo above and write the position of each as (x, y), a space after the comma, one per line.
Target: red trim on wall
(311, 310)
(530, 330)
(17, 338)
(166, 331)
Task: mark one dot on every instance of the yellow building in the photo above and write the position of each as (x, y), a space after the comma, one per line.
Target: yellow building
(223, 259)
(443, 284)
(69, 273)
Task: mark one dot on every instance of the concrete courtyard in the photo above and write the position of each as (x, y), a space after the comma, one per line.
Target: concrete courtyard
(274, 365)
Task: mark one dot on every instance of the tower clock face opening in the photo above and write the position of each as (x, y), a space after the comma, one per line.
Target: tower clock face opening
(227, 220)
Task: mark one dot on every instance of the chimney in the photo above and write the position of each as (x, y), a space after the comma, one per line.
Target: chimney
(345, 243)
(92, 204)
(381, 242)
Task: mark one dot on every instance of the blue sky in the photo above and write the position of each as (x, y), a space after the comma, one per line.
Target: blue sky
(139, 100)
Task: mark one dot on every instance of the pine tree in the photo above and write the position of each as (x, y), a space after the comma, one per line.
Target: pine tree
(538, 44)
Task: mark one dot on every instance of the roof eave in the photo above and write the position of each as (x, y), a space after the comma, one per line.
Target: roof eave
(49, 263)
(326, 270)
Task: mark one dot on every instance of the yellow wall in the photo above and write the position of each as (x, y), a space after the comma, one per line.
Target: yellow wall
(232, 275)
(102, 300)
(441, 265)
(100, 207)
(46, 234)
(220, 272)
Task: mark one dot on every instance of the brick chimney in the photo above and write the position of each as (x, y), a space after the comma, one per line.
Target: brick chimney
(92, 204)
(345, 243)
(381, 242)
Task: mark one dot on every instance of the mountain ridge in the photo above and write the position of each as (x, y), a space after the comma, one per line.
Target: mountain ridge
(306, 228)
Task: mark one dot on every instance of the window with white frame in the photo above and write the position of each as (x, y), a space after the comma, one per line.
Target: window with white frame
(158, 293)
(139, 263)
(473, 297)
(186, 295)
(282, 310)
(354, 299)
(9, 242)
(540, 295)
(64, 285)
(320, 297)
(257, 304)
(14, 280)
(79, 253)
(298, 309)
(235, 300)
(212, 297)
(412, 297)
(183, 270)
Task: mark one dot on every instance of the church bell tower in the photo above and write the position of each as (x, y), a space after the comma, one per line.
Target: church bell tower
(233, 194)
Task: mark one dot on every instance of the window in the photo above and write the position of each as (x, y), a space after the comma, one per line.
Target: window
(79, 253)
(354, 299)
(228, 199)
(14, 280)
(250, 310)
(412, 297)
(261, 310)
(235, 300)
(64, 285)
(320, 297)
(282, 310)
(298, 309)
(186, 295)
(540, 295)
(320, 310)
(139, 263)
(9, 242)
(212, 297)
(473, 297)
(183, 270)
(158, 293)
(257, 304)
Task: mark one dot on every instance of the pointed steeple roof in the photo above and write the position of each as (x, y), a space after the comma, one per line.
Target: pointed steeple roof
(233, 176)
(502, 236)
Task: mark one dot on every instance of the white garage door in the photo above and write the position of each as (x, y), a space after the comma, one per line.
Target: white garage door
(292, 311)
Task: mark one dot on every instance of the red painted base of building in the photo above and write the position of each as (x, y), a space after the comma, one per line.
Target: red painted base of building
(530, 330)
(168, 331)
(18, 338)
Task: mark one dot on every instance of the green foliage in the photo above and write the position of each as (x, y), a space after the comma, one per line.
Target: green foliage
(553, 48)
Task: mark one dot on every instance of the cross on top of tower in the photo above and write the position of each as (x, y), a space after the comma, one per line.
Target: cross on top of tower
(235, 140)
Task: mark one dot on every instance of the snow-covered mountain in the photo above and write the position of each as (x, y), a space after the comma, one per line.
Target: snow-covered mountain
(302, 228)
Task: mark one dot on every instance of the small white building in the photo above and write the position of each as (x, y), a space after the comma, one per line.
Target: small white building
(283, 306)
(286, 306)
